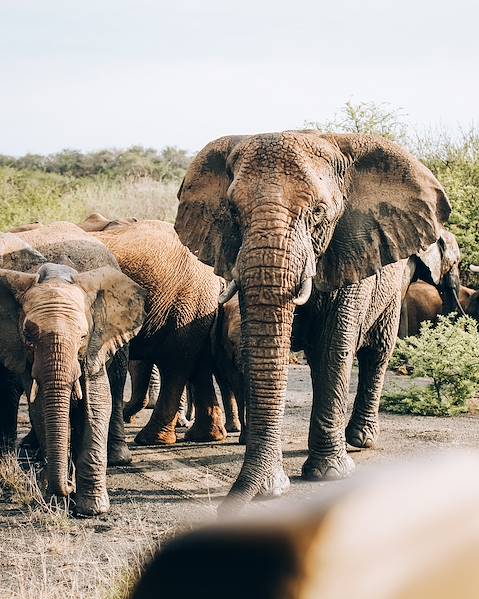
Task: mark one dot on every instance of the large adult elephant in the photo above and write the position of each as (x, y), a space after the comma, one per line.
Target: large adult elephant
(285, 214)
(60, 327)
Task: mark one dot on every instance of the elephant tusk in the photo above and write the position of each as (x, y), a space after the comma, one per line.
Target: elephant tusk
(473, 268)
(304, 292)
(77, 389)
(33, 391)
(228, 293)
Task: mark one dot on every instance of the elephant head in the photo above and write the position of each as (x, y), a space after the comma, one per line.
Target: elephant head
(273, 211)
(54, 322)
(438, 265)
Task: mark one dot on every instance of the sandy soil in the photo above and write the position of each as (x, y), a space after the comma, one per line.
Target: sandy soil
(179, 486)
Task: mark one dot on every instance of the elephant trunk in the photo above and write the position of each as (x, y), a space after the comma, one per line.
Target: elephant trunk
(450, 293)
(56, 388)
(270, 270)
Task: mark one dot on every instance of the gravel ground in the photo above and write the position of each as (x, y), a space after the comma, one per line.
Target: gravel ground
(178, 487)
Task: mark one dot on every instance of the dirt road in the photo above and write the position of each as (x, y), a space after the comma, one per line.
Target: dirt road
(179, 486)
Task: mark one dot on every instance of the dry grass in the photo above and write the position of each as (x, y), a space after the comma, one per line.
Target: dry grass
(46, 554)
(64, 565)
(141, 197)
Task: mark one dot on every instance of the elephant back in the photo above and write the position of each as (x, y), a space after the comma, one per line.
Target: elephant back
(61, 240)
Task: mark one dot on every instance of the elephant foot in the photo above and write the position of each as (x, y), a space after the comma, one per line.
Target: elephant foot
(88, 506)
(276, 484)
(119, 455)
(129, 414)
(242, 438)
(328, 468)
(362, 435)
(183, 422)
(233, 425)
(207, 428)
(162, 436)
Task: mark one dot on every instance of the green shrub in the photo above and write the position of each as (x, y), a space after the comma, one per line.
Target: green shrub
(447, 353)
(455, 162)
(168, 164)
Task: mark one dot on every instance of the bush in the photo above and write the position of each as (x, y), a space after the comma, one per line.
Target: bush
(366, 117)
(455, 162)
(168, 164)
(447, 353)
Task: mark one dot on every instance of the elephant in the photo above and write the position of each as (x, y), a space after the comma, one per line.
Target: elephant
(145, 375)
(324, 223)
(61, 326)
(225, 338)
(438, 265)
(424, 302)
(181, 307)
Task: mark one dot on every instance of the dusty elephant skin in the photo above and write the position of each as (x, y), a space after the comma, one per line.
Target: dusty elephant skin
(181, 307)
(61, 327)
(273, 211)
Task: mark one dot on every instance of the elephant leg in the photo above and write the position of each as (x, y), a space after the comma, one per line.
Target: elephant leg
(183, 410)
(363, 427)
(209, 420)
(118, 452)
(404, 320)
(91, 497)
(230, 405)
(140, 374)
(330, 358)
(160, 429)
(10, 393)
(153, 387)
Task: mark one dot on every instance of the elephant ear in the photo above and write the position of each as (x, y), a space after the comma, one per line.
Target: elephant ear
(13, 285)
(117, 311)
(204, 222)
(438, 259)
(393, 208)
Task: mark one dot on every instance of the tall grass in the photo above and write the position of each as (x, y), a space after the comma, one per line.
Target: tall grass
(34, 196)
(141, 197)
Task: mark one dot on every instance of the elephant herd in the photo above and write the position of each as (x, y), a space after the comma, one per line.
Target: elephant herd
(295, 239)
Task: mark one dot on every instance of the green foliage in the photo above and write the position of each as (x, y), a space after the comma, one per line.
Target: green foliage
(35, 196)
(31, 196)
(447, 353)
(69, 185)
(455, 162)
(166, 165)
(365, 117)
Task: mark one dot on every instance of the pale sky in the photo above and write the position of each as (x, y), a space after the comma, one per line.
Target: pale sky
(112, 73)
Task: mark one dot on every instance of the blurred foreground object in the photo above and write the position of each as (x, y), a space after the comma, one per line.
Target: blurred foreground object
(409, 531)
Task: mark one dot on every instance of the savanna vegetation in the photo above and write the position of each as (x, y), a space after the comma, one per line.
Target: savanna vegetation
(447, 353)
(70, 185)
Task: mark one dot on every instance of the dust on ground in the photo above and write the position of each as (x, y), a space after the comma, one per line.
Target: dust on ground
(179, 487)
